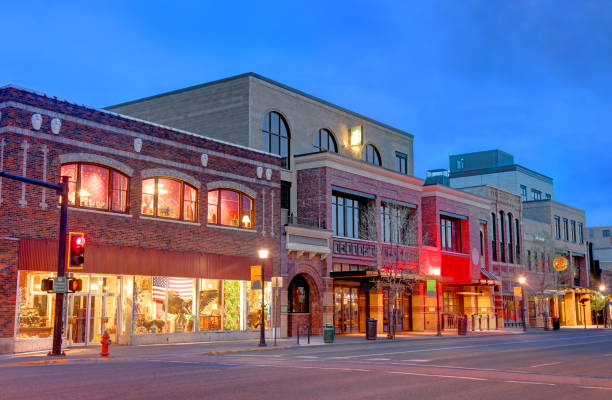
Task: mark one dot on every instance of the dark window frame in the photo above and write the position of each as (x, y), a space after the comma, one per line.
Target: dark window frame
(341, 211)
(109, 190)
(401, 162)
(450, 227)
(375, 158)
(182, 200)
(557, 227)
(241, 194)
(331, 139)
(272, 136)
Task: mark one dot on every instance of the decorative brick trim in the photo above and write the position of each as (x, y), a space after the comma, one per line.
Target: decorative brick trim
(231, 185)
(172, 173)
(98, 159)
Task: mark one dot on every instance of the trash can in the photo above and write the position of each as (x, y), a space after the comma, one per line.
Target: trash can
(328, 333)
(370, 329)
(462, 326)
(556, 323)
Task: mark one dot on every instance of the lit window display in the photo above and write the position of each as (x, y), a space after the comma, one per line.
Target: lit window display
(254, 305)
(209, 316)
(149, 304)
(169, 198)
(94, 186)
(181, 306)
(233, 296)
(230, 208)
(35, 308)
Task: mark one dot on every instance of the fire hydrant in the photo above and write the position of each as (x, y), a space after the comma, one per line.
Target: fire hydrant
(105, 342)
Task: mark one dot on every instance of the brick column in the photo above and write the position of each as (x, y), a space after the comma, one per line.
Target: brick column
(9, 250)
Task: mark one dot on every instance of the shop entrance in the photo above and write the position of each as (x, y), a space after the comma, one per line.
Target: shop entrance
(89, 315)
(403, 311)
(346, 310)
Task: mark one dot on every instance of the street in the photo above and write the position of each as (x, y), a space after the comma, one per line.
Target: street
(542, 365)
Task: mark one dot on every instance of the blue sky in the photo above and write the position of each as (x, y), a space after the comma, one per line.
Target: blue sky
(532, 78)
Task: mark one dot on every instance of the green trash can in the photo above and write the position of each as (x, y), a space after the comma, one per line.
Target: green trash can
(328, 333)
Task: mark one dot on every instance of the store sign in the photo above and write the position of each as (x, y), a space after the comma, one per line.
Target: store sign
(403, 257)
(59, 284)
(366, 250)
(560, 263)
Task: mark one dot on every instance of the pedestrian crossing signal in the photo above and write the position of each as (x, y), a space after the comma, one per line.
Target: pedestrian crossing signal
(75, 285)
(46, 285)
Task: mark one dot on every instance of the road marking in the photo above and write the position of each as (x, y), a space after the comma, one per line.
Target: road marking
(471, 378)
(377, 359)
(417, 360)
(338, 358)
(532, 383)
(596, 387)
(544, 365)
(306, 356)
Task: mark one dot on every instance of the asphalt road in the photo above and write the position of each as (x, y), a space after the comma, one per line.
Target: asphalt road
(553, 365)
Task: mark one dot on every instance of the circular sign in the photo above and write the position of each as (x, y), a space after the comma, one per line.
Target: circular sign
(560, 263)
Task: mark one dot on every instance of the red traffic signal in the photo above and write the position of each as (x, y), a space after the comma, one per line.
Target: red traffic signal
(76, 250)
(75, 285)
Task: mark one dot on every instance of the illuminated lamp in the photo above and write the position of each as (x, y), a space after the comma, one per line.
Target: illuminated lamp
(246, 221)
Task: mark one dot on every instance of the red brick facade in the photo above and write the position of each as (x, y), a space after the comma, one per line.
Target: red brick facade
(30, 212)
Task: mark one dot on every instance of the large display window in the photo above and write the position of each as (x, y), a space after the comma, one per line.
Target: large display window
(35, 308)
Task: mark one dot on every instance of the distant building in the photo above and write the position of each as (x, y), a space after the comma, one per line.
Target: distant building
(497, 168)
(599, 240)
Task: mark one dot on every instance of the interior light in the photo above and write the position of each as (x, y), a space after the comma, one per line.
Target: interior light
(263, 253)
(356, 136)
(246, 221)
(210, 285)
(94, 286)
(84, 193)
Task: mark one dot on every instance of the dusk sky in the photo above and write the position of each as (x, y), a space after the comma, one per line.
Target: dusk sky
(532, 78)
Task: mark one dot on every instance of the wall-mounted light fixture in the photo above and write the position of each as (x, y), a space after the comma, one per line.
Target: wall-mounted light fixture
(356, 135)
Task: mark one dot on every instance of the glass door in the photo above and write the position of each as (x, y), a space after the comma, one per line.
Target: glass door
(77, 319)
(102, 317)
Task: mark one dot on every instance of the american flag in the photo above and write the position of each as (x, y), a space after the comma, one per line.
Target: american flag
(182, 286)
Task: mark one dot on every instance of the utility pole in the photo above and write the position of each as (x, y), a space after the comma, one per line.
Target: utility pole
(62, 190)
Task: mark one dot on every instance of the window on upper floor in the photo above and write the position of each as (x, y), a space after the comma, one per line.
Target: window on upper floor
(606, 233)
(557, 227)
(580, 233)
(396, 226)
(517, 236)
(573, 230)
(169, 198)
(536, 194)
(371, 155)
(275, 136)
(96, 186)
(324, 141)
(493, 237)
(401, 162)
(524, 192)
(350, 216)
(230, 208)
(450, 234)
(548, 196)
(285, 195)
(565, 229)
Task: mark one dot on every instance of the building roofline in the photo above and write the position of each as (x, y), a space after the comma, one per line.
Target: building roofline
(554, 202)
(492, 187)
(270, 81)
(114, 114)
(503, 168)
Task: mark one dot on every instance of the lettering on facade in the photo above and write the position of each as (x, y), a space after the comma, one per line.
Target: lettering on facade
(404, 256)
(367, 250)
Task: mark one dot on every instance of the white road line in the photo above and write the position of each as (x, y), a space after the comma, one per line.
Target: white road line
(471, 378)
(306, 356)
(417, 360)
(377, 359)
(338, 358)
(596, 387)
(544, 365)
(532, 383)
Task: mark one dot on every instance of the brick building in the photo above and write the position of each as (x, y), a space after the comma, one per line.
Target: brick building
(173, 223)
(352, 211)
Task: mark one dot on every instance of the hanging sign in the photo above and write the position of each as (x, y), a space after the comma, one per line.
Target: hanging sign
(560, 263)
(256, 277)
(518, 291)
(431, 288)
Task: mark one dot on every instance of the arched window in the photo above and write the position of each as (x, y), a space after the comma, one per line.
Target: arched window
(299, 295)
(324, 140)
(371, 155)
(169, 198)
(275, 136)
(231, 208)
(96, 186)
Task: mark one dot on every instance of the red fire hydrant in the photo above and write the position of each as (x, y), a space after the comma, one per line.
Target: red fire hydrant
(105, 342)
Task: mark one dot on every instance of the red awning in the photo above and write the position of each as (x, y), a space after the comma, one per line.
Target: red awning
(41, 255)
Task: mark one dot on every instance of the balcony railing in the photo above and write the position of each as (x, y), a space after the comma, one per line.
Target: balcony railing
(308, 222)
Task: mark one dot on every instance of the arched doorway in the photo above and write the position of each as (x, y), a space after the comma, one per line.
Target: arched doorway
(303, 305)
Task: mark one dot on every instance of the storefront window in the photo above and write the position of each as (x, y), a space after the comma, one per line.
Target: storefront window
(35, 308)
(232, 296)
(149, 299)
(209, 316)
(169, 198)
(181, 307)
(254, 306)
(231, 208)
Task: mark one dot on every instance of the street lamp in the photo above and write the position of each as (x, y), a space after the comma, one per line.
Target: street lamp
(522, 281)
(263, 255)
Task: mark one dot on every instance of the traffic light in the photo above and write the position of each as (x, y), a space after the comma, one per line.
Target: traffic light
(75, 285)
(46, 285)
(76, 250)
